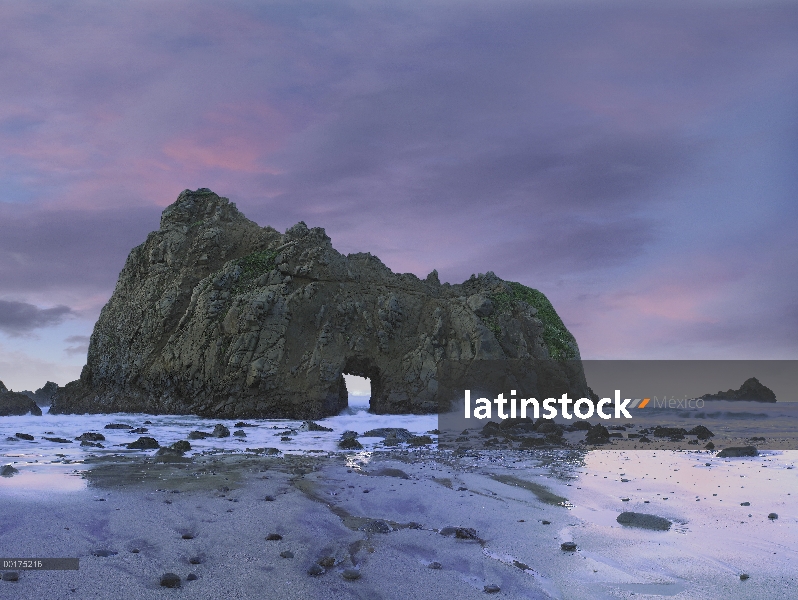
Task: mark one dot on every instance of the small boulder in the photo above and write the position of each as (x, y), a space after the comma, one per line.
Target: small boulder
(644, 521)
(568, 546)
(144, 443)
(91, 437)
(350, 444)
(24, 436)
(738, 451)
(170, 580)
(220, 431)
(8, 471)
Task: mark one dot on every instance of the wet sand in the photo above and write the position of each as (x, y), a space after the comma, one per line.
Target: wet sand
(487, 518)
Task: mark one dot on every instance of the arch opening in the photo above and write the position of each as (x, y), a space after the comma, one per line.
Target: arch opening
(365, 383)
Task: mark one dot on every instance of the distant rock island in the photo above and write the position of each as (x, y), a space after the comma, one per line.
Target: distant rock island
(15, 403)
(215, 316)
(751, 390)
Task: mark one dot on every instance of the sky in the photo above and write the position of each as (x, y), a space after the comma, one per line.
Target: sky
(637, 162)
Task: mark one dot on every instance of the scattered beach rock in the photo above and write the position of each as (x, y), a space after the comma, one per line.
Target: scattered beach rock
(701, 432)
(10, 576)
(328, 562)
(350, 444)
(390, 472)
(139, 430)
(220, 431)
(773, 516)
(744, 576)
(92, 445)
(191, 577)
(269, 498)
(597, 434)
(24, 436)
(644, 521)
(195, 560)
(377, 526)
(8, 471)
(709, 446)
(312, 426)
(103, 552)
(462, 533)
(181, 446)
(199, 435)
(745, 504)
(118, 426)
(286, 554)
(434, 565)
(351, 574)
(91, 437)
(420, 440)
(315, 571)
(738, 451)
(568, 546)
(274, 537)
(57, 440)
(492, 588)
(399, 433)
(144, 443)
(239, 433)
(669, 432)
(170, 580)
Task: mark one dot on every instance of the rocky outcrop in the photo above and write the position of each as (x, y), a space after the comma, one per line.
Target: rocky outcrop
(14, 403)
(216, 316)
(751, 390)
(44, 395)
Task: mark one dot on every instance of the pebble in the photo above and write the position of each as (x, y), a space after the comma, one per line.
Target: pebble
(351, 574)
(195, 560)
(545, 522)
(269, 498)
(327, 562)
(434, 565)
(287, 554)
(745, 504)
(273, 537)
(191, 577)
(568, 546)
(188, 536)
(10, 576)
(170, 580)
(744, 576)
(773, 516)
(492, 588)
(315, 571)
(102, 552)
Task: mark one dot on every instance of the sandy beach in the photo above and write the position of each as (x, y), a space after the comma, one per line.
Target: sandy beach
(411, 524)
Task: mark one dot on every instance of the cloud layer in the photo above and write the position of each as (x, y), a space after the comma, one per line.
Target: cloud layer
(634, 162)
(19, 317)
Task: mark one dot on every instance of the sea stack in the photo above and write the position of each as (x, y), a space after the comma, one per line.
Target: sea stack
(216, 316)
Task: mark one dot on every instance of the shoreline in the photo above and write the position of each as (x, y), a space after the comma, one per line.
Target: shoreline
(385, 515)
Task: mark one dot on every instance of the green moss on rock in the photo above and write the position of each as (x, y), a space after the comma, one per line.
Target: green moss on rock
(558, 339)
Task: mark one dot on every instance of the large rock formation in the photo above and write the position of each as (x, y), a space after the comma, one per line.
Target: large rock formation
(14, 403)
(216, 316)
(751, 389)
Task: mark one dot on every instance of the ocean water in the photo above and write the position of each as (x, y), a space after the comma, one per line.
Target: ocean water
(44, 457)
